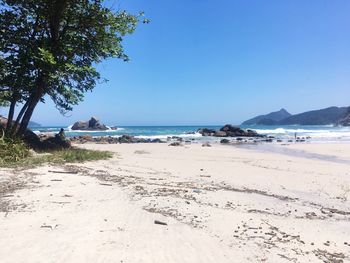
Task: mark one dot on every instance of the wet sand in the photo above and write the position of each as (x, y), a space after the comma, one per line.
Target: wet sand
(219, 204)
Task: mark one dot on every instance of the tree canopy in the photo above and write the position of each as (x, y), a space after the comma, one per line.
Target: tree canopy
(51, 48)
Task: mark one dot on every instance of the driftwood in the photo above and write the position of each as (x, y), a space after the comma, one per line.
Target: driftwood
(160, 223)
(62, 172)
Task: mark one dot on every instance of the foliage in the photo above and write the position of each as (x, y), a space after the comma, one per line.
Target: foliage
(12, 150)
(50, 48)
(72, 155)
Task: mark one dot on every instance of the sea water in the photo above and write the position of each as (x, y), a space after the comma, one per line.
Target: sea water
(317, 133)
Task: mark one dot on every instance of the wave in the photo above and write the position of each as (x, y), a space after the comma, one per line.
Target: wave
(165, 136)
(343, 132)
(109, 130)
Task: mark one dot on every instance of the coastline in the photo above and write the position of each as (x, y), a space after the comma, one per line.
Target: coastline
(220, 203)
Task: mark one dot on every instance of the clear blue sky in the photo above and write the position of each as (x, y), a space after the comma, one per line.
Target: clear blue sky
(222, 61)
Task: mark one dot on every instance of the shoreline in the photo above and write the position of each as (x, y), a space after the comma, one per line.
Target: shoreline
(220, 204)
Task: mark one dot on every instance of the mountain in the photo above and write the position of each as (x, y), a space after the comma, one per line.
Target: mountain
(268, 119)
(331, 115)
(33, 124)
(345, 121)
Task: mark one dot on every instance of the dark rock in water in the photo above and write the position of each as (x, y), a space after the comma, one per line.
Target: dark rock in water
(220, 134)
(92, 124)
(80, 125)
(252, 133)
(206, 132)
(232, 131)
(229, 131)
(225, 141)
(230, 128)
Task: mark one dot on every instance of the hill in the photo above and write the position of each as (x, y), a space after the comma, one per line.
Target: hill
(268, 119)
(327, 116)
(33, 124)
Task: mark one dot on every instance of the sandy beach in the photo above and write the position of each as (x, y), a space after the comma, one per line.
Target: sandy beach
(219, 204)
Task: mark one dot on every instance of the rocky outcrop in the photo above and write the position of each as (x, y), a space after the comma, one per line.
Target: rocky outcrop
(206, 132)
(91, 125)
(3, 122)
(113, 140)
(229, 131)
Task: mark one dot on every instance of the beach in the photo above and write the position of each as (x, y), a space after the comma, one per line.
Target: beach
(157, 203)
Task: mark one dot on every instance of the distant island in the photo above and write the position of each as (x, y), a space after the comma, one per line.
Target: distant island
(327, 116)
(33, 124)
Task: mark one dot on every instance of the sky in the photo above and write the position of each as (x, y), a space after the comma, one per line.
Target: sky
(202, 62)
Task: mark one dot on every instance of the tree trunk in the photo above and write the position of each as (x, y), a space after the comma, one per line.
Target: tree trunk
(27, 116)
(19, 116)
(10, 114)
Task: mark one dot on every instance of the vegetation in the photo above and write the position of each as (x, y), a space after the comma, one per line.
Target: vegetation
(12, 151)
(50, 49)
(72, 155)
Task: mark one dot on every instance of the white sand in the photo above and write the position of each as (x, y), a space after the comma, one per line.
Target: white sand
(221, 204)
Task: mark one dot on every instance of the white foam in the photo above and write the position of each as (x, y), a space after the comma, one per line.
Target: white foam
(69, 129)
(342, 132)
(165, 136)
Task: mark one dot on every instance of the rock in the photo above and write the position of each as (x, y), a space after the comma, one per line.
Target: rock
(80, 125)
(230, 128)
(177, 138)
(220, 134)
(175, 144)
(206, 132)
(3, 122)
(225, 141)
(54, 143)
(92, 124)
(126, 139)
(206, 144)
(252, 133)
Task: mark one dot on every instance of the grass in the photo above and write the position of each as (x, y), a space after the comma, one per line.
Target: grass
(12, 151)
(15, 153)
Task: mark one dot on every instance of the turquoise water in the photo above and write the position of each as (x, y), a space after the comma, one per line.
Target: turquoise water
(162, 132)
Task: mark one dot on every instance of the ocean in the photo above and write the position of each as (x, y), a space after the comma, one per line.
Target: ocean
(317, 133)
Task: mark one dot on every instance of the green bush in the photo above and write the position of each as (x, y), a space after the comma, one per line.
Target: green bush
(12, 150)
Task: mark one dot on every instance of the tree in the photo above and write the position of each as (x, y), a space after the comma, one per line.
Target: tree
(51, 47)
